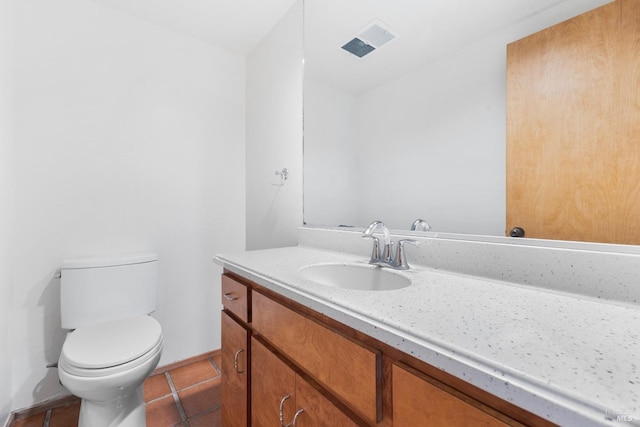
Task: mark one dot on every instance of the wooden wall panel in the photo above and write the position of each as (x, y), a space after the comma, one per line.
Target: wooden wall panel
(573, 156)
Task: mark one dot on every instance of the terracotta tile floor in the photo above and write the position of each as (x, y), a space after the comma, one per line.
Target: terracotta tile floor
(183, 397)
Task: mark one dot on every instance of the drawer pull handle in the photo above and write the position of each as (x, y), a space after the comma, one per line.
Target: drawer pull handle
(235, 361)
(229, 297)
(284, 399)
(295, 418)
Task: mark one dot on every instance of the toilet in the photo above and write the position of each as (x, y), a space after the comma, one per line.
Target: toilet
(113, 344)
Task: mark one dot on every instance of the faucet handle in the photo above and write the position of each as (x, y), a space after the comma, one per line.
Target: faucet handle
(400, 261)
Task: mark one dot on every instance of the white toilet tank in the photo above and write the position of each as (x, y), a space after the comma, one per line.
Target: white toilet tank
(99, 289)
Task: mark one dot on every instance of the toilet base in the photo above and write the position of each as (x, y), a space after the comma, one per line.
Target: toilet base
(125, 411)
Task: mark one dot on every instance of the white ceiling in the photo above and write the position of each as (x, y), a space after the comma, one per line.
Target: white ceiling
(426, 29)
(237, 25)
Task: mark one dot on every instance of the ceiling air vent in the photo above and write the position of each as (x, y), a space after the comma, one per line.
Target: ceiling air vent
(372, 37)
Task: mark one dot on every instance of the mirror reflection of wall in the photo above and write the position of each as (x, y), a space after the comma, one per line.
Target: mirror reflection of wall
(423, 137)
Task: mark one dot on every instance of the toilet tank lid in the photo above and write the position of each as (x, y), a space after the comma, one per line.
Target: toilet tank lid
(109, 261)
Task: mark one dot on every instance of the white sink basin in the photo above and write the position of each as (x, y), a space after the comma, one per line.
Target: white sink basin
(362, 277)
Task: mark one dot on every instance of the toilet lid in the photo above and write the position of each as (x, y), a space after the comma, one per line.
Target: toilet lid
(112, 343)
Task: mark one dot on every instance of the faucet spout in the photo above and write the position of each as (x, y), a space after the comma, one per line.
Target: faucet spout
(368, 232)
(381, 256)
(378, 256)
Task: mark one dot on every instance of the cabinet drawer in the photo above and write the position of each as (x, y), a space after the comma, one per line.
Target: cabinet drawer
(349, 370)
(235, 297)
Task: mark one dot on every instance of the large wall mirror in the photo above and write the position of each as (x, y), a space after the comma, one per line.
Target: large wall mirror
(416, 127)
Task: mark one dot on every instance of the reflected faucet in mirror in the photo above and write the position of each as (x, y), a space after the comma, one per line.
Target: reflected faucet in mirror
(381, 256)
(420, 225)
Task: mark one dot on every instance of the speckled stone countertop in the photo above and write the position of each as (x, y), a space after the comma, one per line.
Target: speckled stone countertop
(572, 359)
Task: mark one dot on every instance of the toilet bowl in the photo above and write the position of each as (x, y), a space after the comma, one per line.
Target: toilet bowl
(105, 364)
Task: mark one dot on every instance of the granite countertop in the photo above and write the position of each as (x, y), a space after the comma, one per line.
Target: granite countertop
(568, 358)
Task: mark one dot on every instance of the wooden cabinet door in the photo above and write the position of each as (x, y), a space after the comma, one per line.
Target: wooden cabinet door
(417, 402)
(347, 369)
(275, 385)
(235, 371)
(573, 126)
(318, 410)
(271, 382)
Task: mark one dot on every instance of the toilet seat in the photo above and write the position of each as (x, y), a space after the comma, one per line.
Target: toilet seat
(111, 347)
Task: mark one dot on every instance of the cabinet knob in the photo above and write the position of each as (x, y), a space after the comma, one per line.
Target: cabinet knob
(229, 297)
(284, 399)
(295, 418)
(235, 361)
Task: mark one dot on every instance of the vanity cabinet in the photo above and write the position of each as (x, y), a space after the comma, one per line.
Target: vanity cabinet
(304, 362)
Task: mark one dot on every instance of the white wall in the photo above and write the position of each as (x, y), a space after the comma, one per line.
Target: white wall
(431, 144)
(428, 145)
(441, 129)
(274, 134)
(6, 145)
(330, 160)
(129, 138)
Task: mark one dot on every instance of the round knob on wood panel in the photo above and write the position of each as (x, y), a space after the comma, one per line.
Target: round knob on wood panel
(517, 232)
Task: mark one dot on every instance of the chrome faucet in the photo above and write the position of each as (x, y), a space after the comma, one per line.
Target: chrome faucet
(378, 255)
(420, 225)
(381, 256)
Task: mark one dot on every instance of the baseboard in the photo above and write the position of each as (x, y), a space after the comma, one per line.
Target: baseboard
(68, 400)
(185, 362)
(57, 402)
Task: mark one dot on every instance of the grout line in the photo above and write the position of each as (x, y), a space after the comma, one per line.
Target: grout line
(184, 362)
(47, 418)
(158, 398)
(176, 399)
(215, 366)
(198, 383)
(207, 411)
